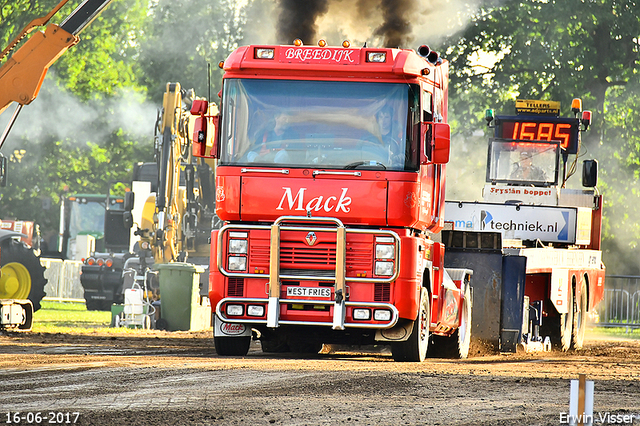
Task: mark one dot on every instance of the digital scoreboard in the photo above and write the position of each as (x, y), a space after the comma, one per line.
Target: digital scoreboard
(562, 129)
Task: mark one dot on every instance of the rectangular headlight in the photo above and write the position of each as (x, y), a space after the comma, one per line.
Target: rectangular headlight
(389, 240)
(361, 314)
(376, 56)
(381, 315)
(237, 263)
(384, 269)
(238, 246)
(385, 251)
(255, 310)
(263, 53)
(235, 310)
(237, 234)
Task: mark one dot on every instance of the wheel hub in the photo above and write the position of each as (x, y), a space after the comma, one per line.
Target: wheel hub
(15, 281)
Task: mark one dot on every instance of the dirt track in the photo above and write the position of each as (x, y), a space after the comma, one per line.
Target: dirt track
(165, 378)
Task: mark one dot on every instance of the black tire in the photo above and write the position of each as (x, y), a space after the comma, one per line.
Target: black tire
(457, 345)
(580, 319)
(273, 343)
(304, 347)
(16, 256)
(162, 324)
(97, 305)
(232, 346)
(414, 349)
(559, 327)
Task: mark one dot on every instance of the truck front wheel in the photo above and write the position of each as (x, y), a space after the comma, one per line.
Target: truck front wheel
(232, 346)
(415, 348)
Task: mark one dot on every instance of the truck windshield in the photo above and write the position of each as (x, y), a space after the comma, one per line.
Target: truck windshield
(86, 217)
(320, 124)
(523, 163)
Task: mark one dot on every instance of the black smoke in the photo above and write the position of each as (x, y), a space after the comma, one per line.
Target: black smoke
(297, 19)
(395, 28)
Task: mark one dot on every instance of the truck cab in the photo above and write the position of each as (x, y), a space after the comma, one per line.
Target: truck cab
(330, 182)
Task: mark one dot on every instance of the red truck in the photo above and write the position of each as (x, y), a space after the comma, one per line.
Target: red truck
(330, 182)
(535, 216)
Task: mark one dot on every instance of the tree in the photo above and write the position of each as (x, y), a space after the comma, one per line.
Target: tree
(559, 50)
(89, 124)
(185, 37)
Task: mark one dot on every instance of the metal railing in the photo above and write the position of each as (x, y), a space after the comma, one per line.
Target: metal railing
(63, 280)
(620, 306)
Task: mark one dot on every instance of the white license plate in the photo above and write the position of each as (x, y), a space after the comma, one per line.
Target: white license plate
(323, 292)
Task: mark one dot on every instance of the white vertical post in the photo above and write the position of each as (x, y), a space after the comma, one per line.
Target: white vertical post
(581, 402)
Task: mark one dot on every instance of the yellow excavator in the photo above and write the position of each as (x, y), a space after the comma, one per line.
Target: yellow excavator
(177, 219)
(21, 76)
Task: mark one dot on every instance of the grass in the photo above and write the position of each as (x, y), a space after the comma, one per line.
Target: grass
(614, 332)
(72, 317)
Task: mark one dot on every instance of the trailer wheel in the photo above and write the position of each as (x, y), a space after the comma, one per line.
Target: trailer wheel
(272, 342)
(415, 348)
(304, 347)
(559, 327)
(232, 346)
(580, 319)
(22, 274)
(457, 345)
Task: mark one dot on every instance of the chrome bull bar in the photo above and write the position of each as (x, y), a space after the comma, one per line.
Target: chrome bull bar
(374, 305)
(339, 278)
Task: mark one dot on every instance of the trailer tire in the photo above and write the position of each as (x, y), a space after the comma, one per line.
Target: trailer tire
(457, 345)
(559, 328)
(232, 346)
(272, 342)
(304, 347)
(580, 319)
(414, 349)
(22, 267)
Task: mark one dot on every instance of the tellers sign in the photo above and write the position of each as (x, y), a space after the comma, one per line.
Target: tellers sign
(565, 130)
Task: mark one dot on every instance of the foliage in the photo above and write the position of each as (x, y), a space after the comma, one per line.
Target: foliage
(558, 50)
(77, 135)
(185, 37)
(105, 61)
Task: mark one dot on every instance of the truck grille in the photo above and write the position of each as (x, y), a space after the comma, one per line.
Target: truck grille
(236, 287)
(382, 292)
(297, 256)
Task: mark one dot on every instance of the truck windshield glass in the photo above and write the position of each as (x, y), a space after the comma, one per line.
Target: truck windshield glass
(322, 124)
(86, 217)
(523, 163)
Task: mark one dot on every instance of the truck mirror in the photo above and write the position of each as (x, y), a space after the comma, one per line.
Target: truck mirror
(439, 144)
(589, 173)
(129, 198)
(204, 131)
(127, 219)
(3, 170)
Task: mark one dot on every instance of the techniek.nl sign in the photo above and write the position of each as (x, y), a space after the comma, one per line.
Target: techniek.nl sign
(549, 224)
